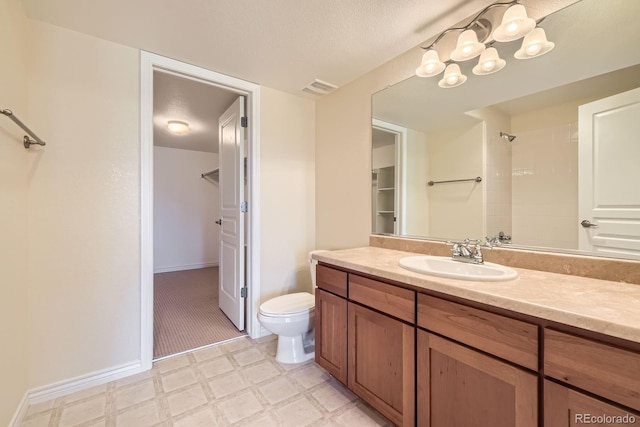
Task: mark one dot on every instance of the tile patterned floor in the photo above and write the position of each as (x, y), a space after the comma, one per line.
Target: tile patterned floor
(237, 383)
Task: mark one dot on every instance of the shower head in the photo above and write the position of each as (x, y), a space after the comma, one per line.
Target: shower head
(507, 136)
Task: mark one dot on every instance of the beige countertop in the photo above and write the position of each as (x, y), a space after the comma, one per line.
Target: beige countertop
(607, 307)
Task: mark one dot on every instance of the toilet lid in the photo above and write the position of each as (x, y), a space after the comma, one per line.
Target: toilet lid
(288, 304)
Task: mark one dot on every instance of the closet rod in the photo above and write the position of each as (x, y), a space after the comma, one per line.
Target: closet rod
(26, 140)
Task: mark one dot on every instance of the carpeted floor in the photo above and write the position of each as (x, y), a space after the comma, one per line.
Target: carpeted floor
(186, 313)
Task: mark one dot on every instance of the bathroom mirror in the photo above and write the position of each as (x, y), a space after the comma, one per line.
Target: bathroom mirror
(510, 146)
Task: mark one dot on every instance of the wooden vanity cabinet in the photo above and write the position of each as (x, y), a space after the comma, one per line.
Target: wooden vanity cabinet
(331, 321)
(565, 407)
(382, 347)
(463, 383)
(609, 373)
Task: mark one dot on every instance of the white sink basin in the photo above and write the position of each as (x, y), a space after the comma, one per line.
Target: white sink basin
(446, 267)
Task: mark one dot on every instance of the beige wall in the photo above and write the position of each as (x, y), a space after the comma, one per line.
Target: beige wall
(456, 210)
(416, 172)
(545, 177)
(287, 182)
(84, 205)
(13, 210)
(343, 144)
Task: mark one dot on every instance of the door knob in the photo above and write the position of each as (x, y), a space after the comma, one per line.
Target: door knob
(587, 224)
(219, 222)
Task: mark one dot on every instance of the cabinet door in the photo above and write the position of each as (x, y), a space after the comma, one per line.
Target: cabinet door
(564, 407)
(331, 334)
(461, 387)
(382, 364)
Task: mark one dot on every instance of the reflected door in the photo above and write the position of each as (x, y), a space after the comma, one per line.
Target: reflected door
(609, 174)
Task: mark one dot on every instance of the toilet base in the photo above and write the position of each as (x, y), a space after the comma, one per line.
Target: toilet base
(292, 350)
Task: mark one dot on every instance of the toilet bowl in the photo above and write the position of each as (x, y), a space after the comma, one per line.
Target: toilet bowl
(292, 318)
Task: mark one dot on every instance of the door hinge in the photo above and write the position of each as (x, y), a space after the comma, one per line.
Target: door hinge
(244, 207)
(244, 121)
(243, 292)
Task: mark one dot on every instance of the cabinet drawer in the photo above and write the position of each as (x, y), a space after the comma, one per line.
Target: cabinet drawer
(602, 369)
(392, 300)
(507, 338)
(334, 281)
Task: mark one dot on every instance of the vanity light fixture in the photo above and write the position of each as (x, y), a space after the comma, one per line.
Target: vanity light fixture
(477, 38)
(178, 127)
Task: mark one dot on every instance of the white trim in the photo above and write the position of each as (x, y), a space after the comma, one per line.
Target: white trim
(401, 173)
(148, 63)
(21, 411)
(199, 348)
(172, 268)
(263, 332)
(83, 382)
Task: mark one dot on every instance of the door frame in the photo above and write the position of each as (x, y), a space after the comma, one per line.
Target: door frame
(150, 62)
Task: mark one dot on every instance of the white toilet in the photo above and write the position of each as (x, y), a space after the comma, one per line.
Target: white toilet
(292, 318)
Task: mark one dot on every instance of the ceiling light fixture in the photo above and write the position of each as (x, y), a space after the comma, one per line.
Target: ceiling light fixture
(178, 127)
(472, 42)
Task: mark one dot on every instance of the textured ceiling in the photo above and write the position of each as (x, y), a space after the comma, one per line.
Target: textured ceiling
(283, 44)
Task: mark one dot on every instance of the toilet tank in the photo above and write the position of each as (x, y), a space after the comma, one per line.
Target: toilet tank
(312, 265)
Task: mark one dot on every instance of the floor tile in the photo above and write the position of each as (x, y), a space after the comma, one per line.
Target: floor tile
(225, 385)
(185, 400)
(261, 372)
(178, 379)
(247, 357)
(299, 413)
(140, 416)
(202, 418)
(39, 420)
(240, 406)
(207, 353)
(134, 394)
(215, 367)
(332, 396)
(278, 390)
(83, 411)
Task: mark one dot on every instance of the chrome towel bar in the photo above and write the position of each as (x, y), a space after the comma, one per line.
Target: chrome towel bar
(28, 142)
(476, 179)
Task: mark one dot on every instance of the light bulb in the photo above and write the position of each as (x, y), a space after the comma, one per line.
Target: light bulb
(512, 28)
(534, 48)
(452, 79)
(488, 65)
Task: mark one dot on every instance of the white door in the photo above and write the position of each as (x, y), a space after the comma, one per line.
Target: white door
(609, 175)
(231, 162)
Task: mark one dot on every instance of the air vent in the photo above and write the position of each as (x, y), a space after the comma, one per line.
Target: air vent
(318, 87)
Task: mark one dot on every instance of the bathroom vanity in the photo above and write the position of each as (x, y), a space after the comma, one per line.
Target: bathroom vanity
(545, 349)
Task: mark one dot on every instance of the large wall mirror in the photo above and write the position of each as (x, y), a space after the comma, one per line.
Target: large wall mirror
(545, 153)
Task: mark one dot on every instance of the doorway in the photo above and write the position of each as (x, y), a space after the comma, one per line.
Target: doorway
(150, 65)
(187, 189)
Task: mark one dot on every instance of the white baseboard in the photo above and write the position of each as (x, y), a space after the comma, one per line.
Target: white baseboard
(185, 267)
(21, 411)
(62, 388)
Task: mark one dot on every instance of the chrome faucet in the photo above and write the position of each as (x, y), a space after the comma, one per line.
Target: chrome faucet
(469, 250)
